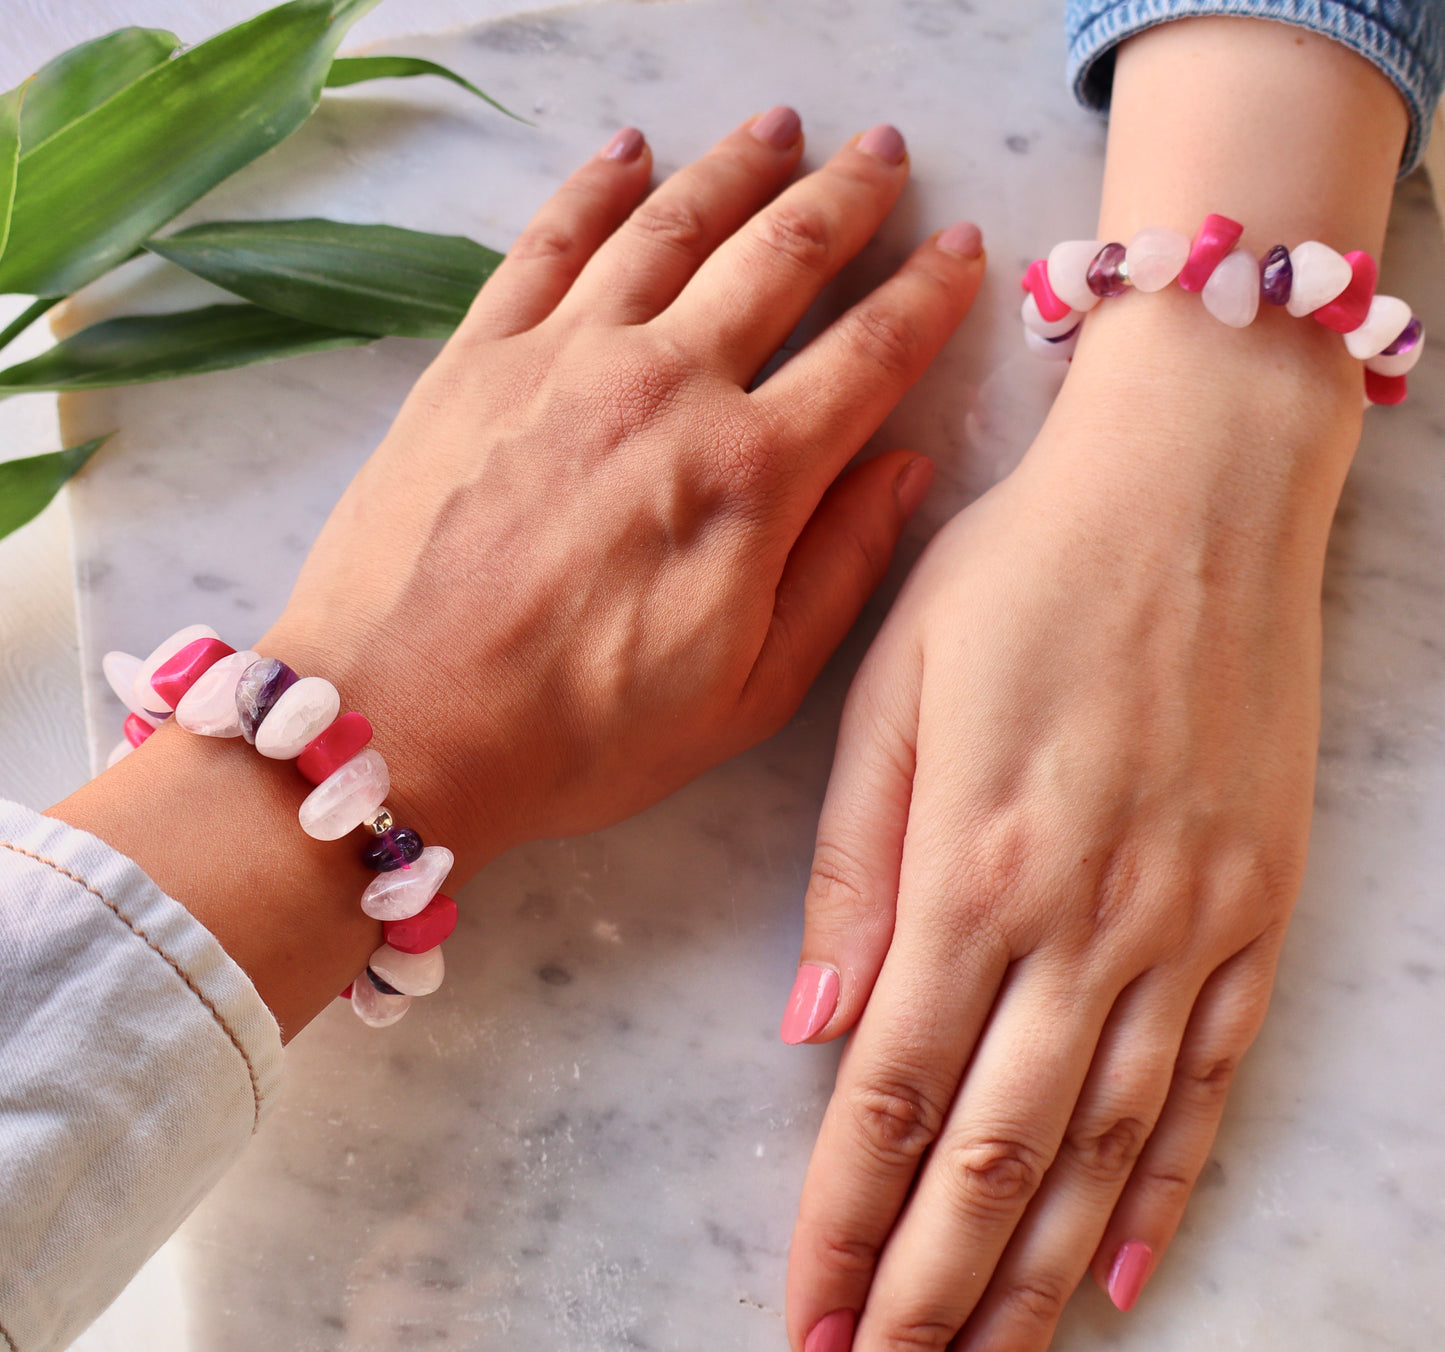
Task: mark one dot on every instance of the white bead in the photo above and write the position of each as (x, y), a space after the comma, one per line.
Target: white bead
(1401, 364)
(1155, 257)
(1319, 274)
(120, 670)
(142, 687)
(376, 1008)
(119, 752)
(341, 802)
(1068, 268)
(404, 892)
(410, 973)
(304, 710)
(1385, 322)
(209, 706)
(1051, 351)
(1034, 322)
(1231, 294)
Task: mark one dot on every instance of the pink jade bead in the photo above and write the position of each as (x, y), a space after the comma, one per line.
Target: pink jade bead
(1036, 282)
(1349, 309)
(167, 650)
(177, 674)
(1214, 239)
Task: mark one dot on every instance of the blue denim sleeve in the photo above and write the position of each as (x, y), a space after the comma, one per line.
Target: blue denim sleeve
(1404, 38)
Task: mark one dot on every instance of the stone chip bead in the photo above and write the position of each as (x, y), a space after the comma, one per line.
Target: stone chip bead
(175, 676)
(346, 798)
(1067, 269)
(302, 711)
(1231, 294)
(1108, 274)
(1384, 389)
(260, 686)
(136, 729)
(1212, 243)
(375, 1008)
(120, 670)
(1320, 274)
(145, 696)
(430, 926)
(1276, 275)
(405, 892)
(1387, 318)
(1349, 309)
(1052, 349)
(333, 747)
(409, 973)
(1399, 357)
(209, 706)
(1155, 257)
(1036, 283)
(392, 850)
(1047, 328)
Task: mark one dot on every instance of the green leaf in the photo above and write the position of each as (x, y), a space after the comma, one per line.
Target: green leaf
(26, 486)
(375, 279)
(90, 194)
(9, 157)
(350, 70)
(138, 348)
(84, 77)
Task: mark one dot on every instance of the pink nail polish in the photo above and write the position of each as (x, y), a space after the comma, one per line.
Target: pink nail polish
(811, 1005)
(779, 127)
(884, 143)
(1129, 1273)
(626, 146)
(912, 484)
(832, 1333)
(964, 239)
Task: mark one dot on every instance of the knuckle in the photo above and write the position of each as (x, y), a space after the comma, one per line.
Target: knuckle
(1108, 1151)
(1206, 1080)
(838, 881)
(1164, 1186)
(842, 1255)
(993, 1178)
(1038, 1298)
(799, 234)
(896, 1119)
(671, 222)
(922, 1333)
(888, 338)
(542, 243)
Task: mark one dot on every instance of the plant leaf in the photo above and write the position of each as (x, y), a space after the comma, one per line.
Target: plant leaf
(349, 70)
(138, 348)
(376, 279)
(84, 77)
(91, 193)
(26, 486)
(9, 157)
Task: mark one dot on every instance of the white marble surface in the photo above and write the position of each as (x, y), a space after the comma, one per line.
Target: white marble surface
(591, 1139)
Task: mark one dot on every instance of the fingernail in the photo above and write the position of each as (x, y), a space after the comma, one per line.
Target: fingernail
(778, 127)
(885, 143)
(1129, 1273)
(811, 1005)
(832, 1333)
(625, 146)
(912, 484)
(964, 239)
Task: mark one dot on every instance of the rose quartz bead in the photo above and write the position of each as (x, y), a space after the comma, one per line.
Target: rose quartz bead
(1213, 240)
(303, 711)
(144, 695)
(1386, 321)
(120, 670)
(1389, 363)
(209, 706)
(1349, 309)
(430, 926)
(345, 799)
(1047, 328)
(1320, 274)
(333, 747)
(1231, 294)
(409, 973)
(1384, 389)
(1036, 282)
(178, 674)
(1156, 256)
(404, 892)
(119, 752)
(1052, 349)
(1067, 269)
(375, 1008)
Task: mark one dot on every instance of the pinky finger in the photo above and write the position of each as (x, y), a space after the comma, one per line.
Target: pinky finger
(1227, 1016)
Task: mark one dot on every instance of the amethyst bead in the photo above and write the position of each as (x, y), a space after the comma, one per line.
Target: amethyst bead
(392, 849)
(260, 686)
(1107, 275)
(380, 984)
(1409, 336)
(1276, 276)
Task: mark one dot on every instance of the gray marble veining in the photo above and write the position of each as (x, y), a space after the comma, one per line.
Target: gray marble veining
(592, 1139)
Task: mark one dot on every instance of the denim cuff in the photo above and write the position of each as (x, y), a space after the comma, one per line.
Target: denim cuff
(1404, 38)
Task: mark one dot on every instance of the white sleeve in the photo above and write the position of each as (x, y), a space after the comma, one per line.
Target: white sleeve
(136, 1061)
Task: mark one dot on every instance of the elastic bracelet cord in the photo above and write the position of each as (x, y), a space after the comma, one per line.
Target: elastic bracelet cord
(215, 691)
(1337, 290)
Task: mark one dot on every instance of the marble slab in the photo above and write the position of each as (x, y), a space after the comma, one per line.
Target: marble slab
(591, 1139)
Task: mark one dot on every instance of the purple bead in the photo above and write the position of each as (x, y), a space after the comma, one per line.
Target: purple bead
(1409, 336)
(392, 849)
(260, 686)
(380, 984)
(1106, 275)
(1276, 276)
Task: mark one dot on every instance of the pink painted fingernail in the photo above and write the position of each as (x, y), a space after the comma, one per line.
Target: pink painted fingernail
(1129, 1273)
(885, 143)
(964, 239)
(810, 1006)
(626, 146)
(778, 127)
(912, 484)
(832, 1333)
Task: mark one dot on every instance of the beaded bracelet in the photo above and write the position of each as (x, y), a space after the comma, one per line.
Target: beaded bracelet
(216, 691)
(1310, 279)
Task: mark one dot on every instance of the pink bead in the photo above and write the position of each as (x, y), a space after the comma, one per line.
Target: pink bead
(1350, 308)
(346, 994)
(1384, 389)
(137, 729)
(1036, 282)
(329, 750)
(426, 929)
(178, 674)
(1215, 238)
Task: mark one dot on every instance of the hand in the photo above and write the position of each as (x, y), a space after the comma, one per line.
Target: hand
(1079, 757)
(588, 561)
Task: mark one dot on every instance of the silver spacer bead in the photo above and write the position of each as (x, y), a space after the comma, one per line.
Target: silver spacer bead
(380, 822)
